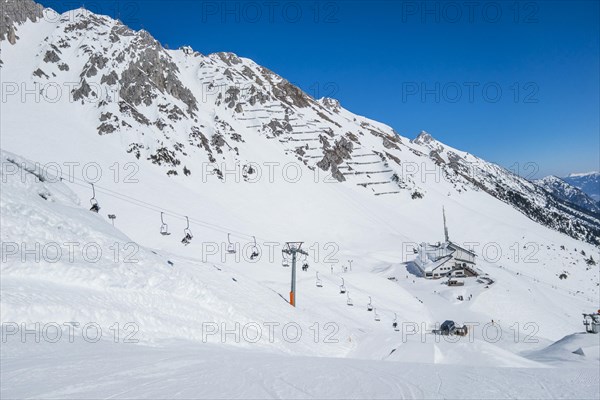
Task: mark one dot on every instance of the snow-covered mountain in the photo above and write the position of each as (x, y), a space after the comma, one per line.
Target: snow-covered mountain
(589, 183)
(236, 154)
(182, 110)
(567, 192)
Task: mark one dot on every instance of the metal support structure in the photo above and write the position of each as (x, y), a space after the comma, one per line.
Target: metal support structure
(446, 236)
(293, 248)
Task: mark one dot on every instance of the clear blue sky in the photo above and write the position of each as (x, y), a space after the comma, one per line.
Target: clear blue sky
(434, 66)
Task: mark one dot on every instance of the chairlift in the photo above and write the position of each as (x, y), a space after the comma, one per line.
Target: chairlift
(188, 233)
(164, 228)
(342, 288)
(349, 300)
(95, 206)
(285, 262)
(395, 323)
(255, 252)
(376, 315)
(370, 305)
(230, 246)
(246, 171)
(319, 283)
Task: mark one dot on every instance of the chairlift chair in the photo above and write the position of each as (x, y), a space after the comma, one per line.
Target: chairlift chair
(285, 262)
(370, 305)
(164, 228)
(246, 171)
(255, 252)
(376, 315)
(188, 233)
(95, 206)
(230, 246)
(319, 283)
(395, 323)
(349, 300)
(342, 287)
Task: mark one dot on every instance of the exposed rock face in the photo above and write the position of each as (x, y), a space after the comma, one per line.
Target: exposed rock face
(334, 156)
(14, 13)
(153, 69)
(331, 104)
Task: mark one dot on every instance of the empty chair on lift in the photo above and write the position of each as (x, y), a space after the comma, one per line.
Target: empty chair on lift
(285, 262)
(369, 306)
(255, 252)
(319, 283)
(376, 315)
(342, 287)
(230, 246)
(247, 171)
(187, 238)
(349, 300)
(164, 228)
(95, 206)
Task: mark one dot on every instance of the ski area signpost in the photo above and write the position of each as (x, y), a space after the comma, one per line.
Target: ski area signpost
(293, 248)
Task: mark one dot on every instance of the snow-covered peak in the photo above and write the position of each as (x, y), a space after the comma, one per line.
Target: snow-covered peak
(584, 174)
(423, 138)
(550, 179)
(331, 104)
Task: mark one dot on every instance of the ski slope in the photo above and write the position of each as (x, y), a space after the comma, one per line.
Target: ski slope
(175, 309)
(184, 370)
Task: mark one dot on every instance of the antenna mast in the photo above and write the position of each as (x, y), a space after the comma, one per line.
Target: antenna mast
(446, 236)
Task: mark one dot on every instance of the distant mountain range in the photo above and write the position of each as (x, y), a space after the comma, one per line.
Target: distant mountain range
(577, 189)
(588, 182)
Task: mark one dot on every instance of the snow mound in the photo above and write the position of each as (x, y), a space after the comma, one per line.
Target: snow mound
(575, 348)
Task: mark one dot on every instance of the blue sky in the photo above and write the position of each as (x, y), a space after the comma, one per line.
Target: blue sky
(512, 82)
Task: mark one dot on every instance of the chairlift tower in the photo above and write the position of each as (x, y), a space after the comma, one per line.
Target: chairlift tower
(293, 248)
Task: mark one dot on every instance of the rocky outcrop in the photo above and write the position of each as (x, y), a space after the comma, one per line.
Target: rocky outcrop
(334, 156)
(14, 13)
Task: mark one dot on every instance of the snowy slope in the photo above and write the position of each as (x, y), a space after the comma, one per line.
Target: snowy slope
(189, 370)
(364, 194)
(168, 308)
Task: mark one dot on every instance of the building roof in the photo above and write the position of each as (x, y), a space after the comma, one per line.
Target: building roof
(454, 246)
(432, 256)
